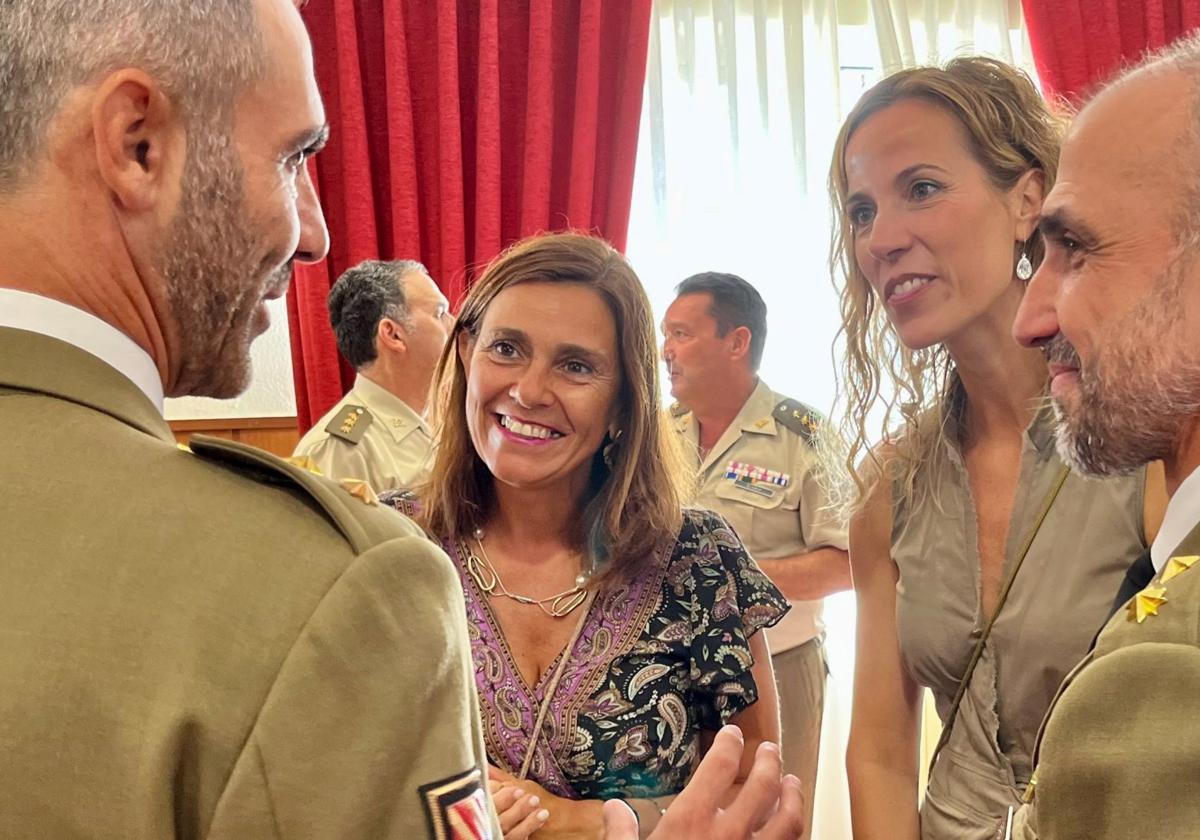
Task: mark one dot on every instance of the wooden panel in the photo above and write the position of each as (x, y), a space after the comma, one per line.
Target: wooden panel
(277, 435)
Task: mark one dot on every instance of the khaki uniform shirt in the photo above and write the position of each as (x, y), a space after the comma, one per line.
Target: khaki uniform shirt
(371, 435)
(1119, 752)
(211, 643)
(761, 477)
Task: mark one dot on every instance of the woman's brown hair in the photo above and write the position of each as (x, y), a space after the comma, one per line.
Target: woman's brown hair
(631, 504)
(1009, 130)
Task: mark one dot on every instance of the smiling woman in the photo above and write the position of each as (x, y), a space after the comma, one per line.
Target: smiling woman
(613, 631)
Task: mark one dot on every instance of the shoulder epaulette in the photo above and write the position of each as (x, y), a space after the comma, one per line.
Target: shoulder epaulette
(346, 512)
(799, 418)
(350, 424)
(678, 409)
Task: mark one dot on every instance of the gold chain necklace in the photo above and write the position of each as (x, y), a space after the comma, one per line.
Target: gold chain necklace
(481, 570)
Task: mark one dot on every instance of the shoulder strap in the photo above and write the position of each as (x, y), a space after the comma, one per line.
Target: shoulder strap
(797, 417)
(350, 424)
(1059, 480)
(336, 501)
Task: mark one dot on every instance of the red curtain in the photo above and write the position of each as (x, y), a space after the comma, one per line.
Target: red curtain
(458, 128)
(1077, 44)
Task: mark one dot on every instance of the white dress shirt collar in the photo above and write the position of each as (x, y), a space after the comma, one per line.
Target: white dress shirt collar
(49, 317)
(1183, 512)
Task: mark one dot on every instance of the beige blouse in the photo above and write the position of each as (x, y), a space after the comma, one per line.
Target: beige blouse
(1062, 596)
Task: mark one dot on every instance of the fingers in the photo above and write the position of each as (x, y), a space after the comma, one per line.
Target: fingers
(520, 814)
(619, 821)
(787, 822)
(759, 796)
(716, 772)
(535, 819)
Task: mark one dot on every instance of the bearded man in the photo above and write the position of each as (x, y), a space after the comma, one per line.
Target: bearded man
(203, 643)
(1116, 305)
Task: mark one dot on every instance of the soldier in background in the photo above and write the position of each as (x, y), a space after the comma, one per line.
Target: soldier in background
(756, 464)
(391, 321)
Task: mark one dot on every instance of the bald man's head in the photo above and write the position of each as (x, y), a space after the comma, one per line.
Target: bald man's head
(1116, 302)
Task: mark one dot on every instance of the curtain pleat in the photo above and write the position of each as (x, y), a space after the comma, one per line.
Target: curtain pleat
(456, 130)
(1078, 44)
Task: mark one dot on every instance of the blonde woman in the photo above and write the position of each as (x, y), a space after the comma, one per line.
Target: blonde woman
(938, 179)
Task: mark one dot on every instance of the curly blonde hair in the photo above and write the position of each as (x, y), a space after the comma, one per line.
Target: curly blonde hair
(1010, 131)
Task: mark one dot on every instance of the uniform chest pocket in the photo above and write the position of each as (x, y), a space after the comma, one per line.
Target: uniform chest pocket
(759, 495)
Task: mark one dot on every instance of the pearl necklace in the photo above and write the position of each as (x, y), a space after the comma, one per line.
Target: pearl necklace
(481, 570)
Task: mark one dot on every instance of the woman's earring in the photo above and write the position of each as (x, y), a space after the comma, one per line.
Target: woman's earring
(1024, 266)
(610, 448)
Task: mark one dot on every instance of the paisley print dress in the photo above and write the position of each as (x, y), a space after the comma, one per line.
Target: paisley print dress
(659, 658)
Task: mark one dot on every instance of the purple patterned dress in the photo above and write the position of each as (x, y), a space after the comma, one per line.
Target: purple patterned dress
(659, 659)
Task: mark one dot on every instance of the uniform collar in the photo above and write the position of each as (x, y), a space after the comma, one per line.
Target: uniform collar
(758, 406)
(758, 413)
(389, 410)
(1182, 514)
(53, 318)
(30, 361)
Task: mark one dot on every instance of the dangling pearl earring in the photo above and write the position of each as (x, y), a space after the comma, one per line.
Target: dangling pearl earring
(1024, 266)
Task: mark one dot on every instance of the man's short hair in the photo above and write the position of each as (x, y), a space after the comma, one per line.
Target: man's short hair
(362, 297)
(201, 53)
(735, 303)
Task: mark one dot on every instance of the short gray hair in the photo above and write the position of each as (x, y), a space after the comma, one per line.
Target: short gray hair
(363, 296)
(200, 51)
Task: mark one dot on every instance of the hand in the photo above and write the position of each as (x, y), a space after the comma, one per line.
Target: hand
(566, 818)
(766, 808)
(520, 814)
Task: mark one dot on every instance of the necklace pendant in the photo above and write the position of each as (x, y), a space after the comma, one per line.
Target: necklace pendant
(566, 603)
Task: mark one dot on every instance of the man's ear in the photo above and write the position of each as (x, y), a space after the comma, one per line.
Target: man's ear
(139, 139)
(739, 342)
(391, 336)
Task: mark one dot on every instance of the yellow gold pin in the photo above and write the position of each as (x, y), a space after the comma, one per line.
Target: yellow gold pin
(1146, 603)
(1178, 565)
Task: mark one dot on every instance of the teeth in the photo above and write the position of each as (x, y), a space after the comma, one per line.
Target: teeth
(527, 430)
(909, 285)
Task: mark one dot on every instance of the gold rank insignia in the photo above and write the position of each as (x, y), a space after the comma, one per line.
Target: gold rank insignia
(183, 447)
(350, 424)
(758, 424)
(799, 418)
(304, 462)
(360, 490)
(1145, 603)
(1178, 565)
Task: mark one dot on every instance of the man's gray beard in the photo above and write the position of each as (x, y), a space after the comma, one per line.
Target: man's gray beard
(1139, 393)
(209, 269)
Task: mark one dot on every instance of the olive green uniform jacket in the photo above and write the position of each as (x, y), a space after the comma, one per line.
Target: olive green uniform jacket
(212, 643)
(1119, 751)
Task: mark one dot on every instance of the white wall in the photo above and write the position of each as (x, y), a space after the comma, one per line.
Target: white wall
(271, 392)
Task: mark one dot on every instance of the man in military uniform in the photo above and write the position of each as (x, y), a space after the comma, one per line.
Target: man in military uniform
(391, 323)
(756, 462)
(206, 642)
(1115, 306)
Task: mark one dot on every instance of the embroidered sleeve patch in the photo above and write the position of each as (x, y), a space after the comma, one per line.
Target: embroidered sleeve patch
(456, 807)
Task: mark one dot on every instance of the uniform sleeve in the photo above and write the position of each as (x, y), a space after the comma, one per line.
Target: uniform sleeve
(821, 526)
(371, 728)
(731, 600)
(338, 459)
